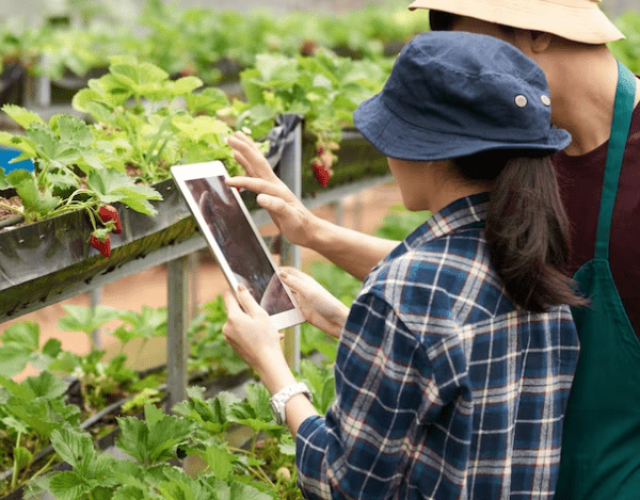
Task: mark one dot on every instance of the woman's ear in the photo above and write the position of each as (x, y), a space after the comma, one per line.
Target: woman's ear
(532, 42)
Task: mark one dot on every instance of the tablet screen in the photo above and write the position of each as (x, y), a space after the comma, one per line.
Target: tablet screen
(237, 241)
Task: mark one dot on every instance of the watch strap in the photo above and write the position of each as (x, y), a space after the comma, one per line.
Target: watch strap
(279, 399)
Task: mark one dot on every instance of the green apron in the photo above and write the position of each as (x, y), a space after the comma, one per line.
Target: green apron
(601, 436)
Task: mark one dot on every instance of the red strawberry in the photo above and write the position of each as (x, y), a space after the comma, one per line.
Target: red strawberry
(102, 242)
(108, 213)
(309, 47)
(321, 173)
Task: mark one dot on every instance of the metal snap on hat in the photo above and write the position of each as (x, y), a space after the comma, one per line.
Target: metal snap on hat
(453, 94)
(577, 20)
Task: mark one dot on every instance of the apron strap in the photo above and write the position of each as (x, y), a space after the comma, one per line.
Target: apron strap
(622, 112)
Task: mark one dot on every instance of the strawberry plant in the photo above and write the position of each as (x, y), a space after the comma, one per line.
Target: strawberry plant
(30, 412)
(72, 171)
(209, 351)
(324, 88)
(21, 345)
(144, 123)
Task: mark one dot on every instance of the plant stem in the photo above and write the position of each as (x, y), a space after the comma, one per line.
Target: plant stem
(14, 476)
(135, 360)
(260, 474)
(12, 208)
(238, 450)
(45, 468)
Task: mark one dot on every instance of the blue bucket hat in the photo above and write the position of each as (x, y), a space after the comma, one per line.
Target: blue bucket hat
(453, 94)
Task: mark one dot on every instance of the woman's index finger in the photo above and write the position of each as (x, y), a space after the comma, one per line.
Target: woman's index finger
(251, 158)
(259, 186)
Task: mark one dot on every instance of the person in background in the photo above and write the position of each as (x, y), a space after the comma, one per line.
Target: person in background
(456, 359)
(596, 99)
(599, 176)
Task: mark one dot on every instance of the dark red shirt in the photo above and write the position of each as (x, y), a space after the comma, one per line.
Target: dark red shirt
(580, 179)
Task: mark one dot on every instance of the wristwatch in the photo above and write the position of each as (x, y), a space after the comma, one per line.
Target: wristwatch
(280, 398)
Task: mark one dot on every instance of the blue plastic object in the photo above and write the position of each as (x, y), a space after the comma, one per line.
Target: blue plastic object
(8, 154)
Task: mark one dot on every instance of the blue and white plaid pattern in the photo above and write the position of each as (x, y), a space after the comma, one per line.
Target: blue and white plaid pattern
(443, 389)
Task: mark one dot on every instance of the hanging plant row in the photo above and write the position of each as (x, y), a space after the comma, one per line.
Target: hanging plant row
(199, 41)
(143, 122)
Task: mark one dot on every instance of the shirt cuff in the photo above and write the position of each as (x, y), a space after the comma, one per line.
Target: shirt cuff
(311, 447)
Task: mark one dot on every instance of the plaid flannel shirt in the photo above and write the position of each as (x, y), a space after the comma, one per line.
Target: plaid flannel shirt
(443, 389)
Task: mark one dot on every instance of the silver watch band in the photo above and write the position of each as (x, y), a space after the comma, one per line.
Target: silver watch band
(279, 399)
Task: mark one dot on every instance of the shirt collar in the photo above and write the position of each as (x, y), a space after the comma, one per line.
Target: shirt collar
(462, 213)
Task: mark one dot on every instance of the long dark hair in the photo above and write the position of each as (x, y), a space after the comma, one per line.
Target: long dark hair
(527, 229)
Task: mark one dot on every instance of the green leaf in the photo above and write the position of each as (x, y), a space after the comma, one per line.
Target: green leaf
(201, 128)
(50, 147)
(258, 397)
(25, 334)
(150, 322)
(35, 201)
(321, 383)
(219, 461)
(16, 425)
(145, 396)
(165, 434)
(24, 144)
(46, 385)
(112, 186)
(133, 437)
(4, 183)
(129, 493)
(397, 226)
(74, 447)
(52, 348)
(277, 67)
(72, 130)
(101, 470)
(239, 491)
(22, 457)
(125, 336)
(212, 414)
(13, 359)
(86, 319)
(22, 116)
(186, 85)
(153, 440)
(96, 103)
(209, 101)
(68, 485)
(255, 411)
(179, 486)
(288, 449)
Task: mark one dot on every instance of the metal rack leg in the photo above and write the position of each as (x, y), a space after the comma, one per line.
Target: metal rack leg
(95, 298)
(291, 174)
(178, 321)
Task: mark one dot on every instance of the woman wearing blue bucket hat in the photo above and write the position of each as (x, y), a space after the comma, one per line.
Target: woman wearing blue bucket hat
(456, 359)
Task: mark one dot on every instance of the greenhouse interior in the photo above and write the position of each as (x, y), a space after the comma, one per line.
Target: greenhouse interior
(116, 380)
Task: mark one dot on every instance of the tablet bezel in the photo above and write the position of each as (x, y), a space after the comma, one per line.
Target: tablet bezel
(183, 173)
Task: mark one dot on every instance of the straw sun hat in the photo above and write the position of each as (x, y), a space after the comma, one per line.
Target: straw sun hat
(577, 20)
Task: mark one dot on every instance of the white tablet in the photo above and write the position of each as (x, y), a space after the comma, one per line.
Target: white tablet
(234, 239)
